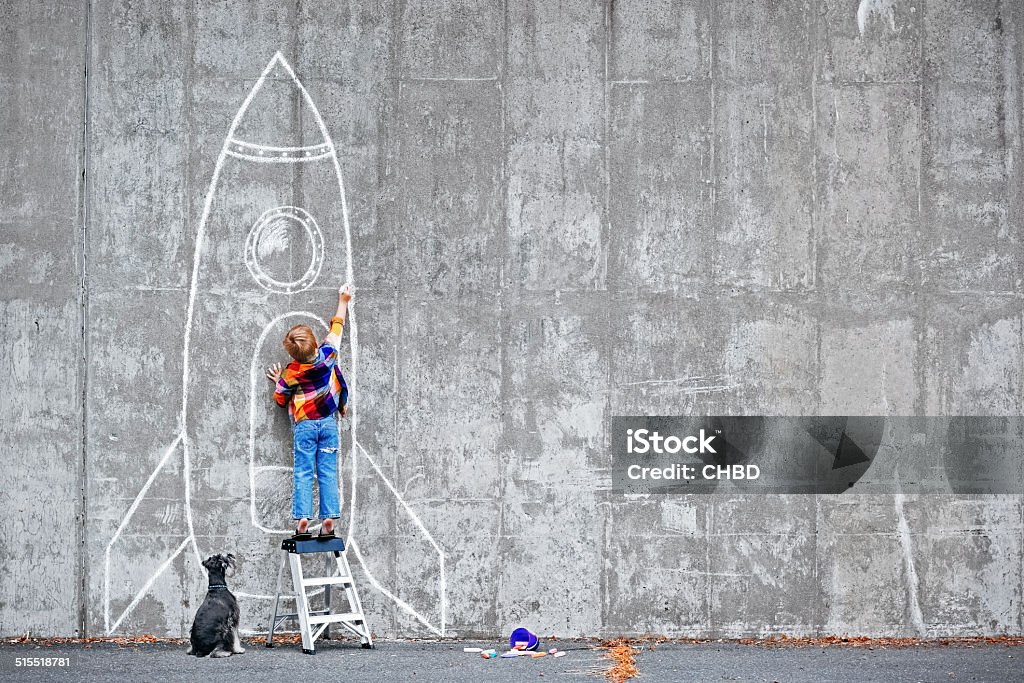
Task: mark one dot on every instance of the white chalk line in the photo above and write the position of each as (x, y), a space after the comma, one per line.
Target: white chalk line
(695, 384)
(443, 585)
(677, 380)
(908, 557)
(883, 8)
(120, 529)
(401, 500)
(260, 153)
(275, 159)
(326, 146)
(394, 598)
(254, 239)
(275, 240)
(145, 588)
(442, 79)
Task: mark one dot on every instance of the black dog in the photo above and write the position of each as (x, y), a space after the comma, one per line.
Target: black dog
(215, 628)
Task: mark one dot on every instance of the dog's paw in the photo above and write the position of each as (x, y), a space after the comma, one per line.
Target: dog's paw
(220, 653)
(239, 651)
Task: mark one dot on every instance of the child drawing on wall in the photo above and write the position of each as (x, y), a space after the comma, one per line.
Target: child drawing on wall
(313, 388)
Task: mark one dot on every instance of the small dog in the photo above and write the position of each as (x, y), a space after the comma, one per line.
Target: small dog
(215, 628)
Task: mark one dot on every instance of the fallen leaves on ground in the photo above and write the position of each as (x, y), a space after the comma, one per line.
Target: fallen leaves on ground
(622, 654)
(783, 640)
(864, 641)
(121, 641)
(286, 638)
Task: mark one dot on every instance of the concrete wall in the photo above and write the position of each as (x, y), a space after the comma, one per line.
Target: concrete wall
(559, 212)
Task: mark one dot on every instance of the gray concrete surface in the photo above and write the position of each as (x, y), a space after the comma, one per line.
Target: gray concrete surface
(559, 212)
(404, 661)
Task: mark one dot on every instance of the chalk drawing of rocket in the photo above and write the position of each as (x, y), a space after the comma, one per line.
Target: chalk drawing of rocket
(272, 245)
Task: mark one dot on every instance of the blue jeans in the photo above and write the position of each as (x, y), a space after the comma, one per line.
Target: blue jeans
(316, 449)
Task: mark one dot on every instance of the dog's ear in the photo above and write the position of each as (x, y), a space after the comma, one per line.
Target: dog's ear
(210, 562)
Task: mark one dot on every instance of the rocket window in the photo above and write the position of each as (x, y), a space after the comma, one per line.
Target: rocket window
(285, 250)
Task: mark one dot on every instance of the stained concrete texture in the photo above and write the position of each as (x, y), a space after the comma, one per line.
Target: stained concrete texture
(557, 212)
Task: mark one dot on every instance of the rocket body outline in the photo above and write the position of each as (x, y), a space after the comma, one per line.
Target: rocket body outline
(246, 150)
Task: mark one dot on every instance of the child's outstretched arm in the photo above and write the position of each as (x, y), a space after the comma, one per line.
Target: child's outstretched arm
(338, 321)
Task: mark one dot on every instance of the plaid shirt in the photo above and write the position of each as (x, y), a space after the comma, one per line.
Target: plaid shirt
(316, 389)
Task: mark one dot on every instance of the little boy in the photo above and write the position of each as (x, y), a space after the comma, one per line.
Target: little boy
(314, 389)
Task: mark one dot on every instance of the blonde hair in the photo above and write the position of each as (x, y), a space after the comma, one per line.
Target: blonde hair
(300, 343)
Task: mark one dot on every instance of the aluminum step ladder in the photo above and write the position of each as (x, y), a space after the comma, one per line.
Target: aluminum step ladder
(338, 574)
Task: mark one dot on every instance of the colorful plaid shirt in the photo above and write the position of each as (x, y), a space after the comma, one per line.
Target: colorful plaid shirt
(316, 389)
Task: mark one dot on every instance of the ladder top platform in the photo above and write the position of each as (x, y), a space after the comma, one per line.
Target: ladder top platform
(312, 545)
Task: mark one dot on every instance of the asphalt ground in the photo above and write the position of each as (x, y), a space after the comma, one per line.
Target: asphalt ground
(584, 661)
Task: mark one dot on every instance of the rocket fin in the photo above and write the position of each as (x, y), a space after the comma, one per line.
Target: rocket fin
(152, 533)
(428, 605)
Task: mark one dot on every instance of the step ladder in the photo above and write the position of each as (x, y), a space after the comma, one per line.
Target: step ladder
(338, 574)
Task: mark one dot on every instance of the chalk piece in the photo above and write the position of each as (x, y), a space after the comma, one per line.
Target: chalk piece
(552, 650)
(510, 654)
(472, 649)
(521, 645)
(559, 654)
(535, 655)
(490, 654)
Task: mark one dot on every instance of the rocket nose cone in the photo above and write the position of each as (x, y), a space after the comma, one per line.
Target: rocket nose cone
(278, 113)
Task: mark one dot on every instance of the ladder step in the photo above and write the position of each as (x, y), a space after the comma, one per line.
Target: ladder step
(333, 618)
(327, 581)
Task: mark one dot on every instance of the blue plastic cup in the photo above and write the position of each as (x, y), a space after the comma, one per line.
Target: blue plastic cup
(522, 635)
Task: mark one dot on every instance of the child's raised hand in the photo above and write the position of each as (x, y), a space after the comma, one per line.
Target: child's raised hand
(274, 372)
(345, 293)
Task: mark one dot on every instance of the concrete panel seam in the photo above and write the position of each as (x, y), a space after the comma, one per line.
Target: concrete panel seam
(83, 359)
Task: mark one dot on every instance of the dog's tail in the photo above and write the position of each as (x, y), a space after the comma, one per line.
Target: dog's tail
(149, 537)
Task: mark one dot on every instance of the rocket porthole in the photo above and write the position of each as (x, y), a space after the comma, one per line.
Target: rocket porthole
(285, 250)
